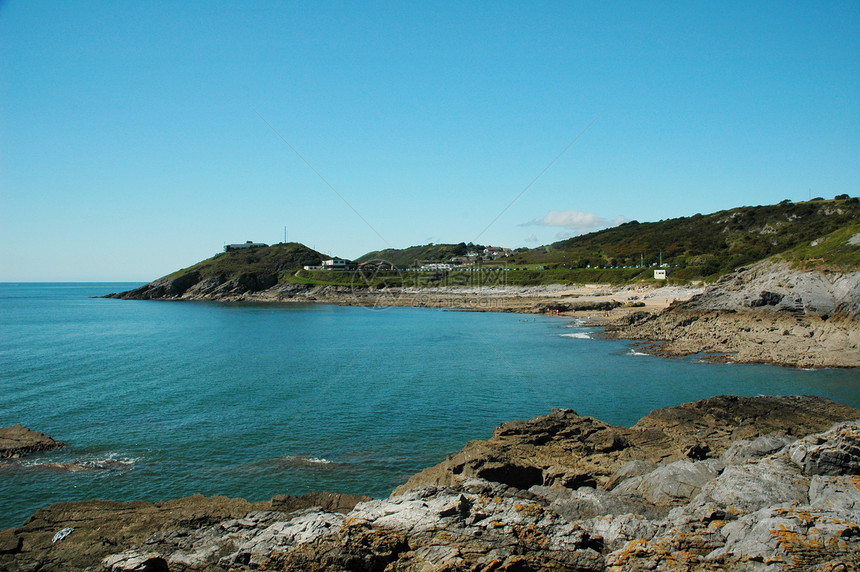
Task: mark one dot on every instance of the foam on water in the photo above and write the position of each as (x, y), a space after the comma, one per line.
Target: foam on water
(577, 335)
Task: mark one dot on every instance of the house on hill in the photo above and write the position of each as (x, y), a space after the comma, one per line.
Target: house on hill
(246, 245)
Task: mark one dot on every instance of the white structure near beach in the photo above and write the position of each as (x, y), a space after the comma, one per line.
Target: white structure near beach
(659, 273)
(333, 264)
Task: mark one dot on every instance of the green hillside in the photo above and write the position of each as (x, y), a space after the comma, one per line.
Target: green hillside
(718, 242)
(405, 257)
(839, 250)
(266, 261)
(695, 247)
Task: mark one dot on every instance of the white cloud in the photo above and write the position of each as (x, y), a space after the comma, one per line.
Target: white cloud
(532, 238)
(577, 222)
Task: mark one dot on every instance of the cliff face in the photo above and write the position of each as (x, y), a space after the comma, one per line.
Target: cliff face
(723, 483)
(764, 313)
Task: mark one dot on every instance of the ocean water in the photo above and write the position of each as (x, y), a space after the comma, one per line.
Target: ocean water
(159, 400)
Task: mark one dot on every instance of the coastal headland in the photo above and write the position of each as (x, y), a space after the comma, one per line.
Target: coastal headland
(769, 312)
(738, 483)
(775, 284)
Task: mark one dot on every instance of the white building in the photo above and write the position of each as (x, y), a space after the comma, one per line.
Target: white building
(660, 274)
(246, 245)
(335, 264)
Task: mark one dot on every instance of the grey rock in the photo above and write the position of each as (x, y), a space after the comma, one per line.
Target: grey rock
(793, 538)
(742, 489)
(835, 494)
(671, 484)
(746, 450)
(630, 469)
(836, 452)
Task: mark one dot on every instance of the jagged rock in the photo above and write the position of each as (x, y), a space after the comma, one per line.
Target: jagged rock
(628, 470)
(282, 535)
(836, 452)
(770, 508)
(17, 441)
(332, 502)
(672, 484)
(793, 538)
(741, 489)
(767, 312)
(134, 562)
(586, 502)
(747, 450)
(569, 451)
(187, 532)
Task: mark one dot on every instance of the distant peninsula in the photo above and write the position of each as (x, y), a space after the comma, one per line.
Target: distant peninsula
(776, 284)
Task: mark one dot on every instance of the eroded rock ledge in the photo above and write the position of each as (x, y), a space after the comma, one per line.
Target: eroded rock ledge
(767, 313)
(18, 441)
(763, 483)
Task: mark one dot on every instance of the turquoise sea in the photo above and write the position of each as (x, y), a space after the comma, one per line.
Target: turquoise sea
(164, 399)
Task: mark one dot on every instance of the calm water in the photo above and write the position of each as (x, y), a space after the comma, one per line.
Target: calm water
(163, 400)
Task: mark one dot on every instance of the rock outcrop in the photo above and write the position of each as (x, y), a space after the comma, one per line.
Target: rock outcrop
(765, 313)
(178, 534)
(764, 483)
(563, 449)
(17, 441)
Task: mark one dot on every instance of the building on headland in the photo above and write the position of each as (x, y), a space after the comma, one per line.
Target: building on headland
(494, 252)
(246, 245)
(376, 265)
(334, 264)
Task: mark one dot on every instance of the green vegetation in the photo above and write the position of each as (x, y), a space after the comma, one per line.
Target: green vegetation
(406, 257)
(717, 243)
(267, 261)
(839, 250)
(822, 234)
(696, 247)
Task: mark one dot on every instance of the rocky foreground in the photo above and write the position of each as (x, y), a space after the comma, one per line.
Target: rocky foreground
(767, 313)
(764, 483)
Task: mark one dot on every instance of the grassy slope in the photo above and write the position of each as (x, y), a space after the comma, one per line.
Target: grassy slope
(405, 257)
(278, 259)
(839, 250)
(697, 246)
(727, 239)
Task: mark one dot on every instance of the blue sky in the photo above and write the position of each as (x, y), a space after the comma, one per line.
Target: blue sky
(137, 138)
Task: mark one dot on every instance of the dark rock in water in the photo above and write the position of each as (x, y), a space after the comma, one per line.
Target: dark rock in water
(17, 441)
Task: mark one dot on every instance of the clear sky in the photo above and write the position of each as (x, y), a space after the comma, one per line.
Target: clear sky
(137, 138)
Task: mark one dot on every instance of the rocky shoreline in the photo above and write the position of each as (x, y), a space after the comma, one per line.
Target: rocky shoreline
(744, 483)
(767, 313)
